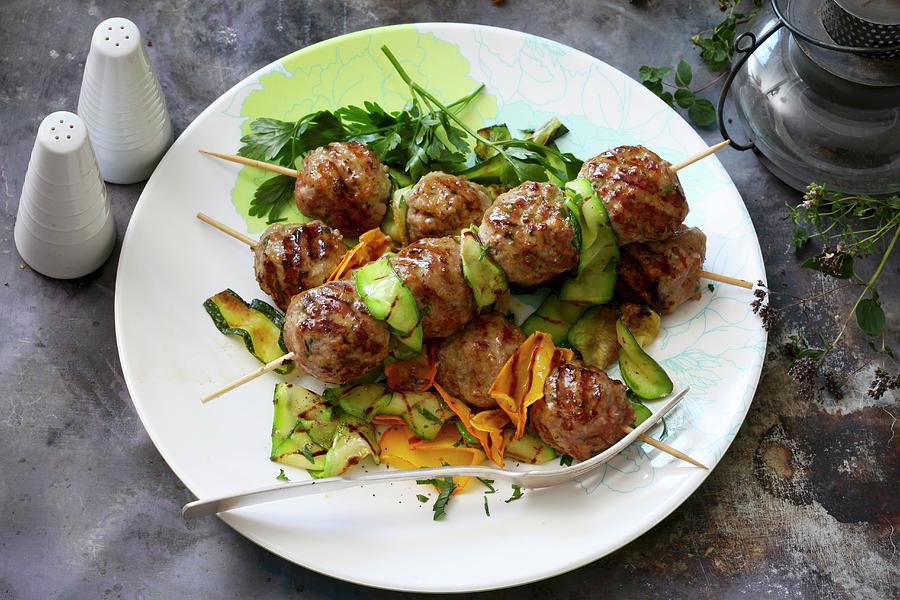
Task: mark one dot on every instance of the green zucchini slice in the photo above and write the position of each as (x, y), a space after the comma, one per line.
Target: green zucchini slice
(595, 285)
(297, 410)
(258, 324)
(641, 373)
(529, 449)
(554, 316)
(365, 401)
(389, 300)
(394, 222)
(424, 412)
(354, 439)
(484, 276)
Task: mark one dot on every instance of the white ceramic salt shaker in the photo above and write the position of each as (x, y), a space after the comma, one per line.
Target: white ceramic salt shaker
(64, 228)
(122, 104)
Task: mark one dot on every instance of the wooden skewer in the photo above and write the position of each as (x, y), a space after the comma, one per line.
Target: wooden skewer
(248, 377)
(250, 162)
(689, 161)
(725, 279)
(665, 448)
(228, 230)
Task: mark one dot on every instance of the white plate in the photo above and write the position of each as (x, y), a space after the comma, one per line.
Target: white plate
(171, 353)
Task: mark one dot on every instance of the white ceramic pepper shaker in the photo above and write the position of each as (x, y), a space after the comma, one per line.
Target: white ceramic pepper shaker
(64, 228)
(122, 104)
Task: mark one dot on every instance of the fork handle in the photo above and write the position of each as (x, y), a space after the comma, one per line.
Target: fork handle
(309, 487)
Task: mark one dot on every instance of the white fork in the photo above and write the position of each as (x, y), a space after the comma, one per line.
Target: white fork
(526, 479)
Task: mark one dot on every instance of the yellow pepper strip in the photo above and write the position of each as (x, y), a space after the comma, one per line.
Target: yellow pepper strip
(372, 244)
(490, 421)
(402, 449)
(520, 382)
(493, 443)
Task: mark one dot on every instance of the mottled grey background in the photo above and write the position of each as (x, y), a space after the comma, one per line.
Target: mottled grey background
(805, 503)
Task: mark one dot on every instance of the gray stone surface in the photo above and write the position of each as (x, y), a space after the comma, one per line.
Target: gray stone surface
(804, 504)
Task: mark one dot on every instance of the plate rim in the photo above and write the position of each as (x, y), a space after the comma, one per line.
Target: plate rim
(662, 510)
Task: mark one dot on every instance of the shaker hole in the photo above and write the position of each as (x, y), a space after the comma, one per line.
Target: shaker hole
(56, 138)
(117, 43)
(68, 137)
(71, 127)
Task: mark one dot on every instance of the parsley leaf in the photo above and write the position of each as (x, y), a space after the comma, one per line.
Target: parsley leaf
(517, 493)
(422, 497)
(565, 460)
(272, 197)
(487, 511)
(281, 476)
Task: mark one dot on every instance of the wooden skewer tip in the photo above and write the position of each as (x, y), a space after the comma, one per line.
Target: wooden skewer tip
(271, 366)
(227, 230)
(700, 155)
(252, 162)
(725, 279)
(666, 448)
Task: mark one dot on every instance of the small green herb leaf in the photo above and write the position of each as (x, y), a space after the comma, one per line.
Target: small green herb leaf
(446, 486)
(683, 74)
(487, 511)
(870, 315)
(422, 497)
(272, 197)
(684, 98)
(281, 476)
(517, 493)
(489, 484)
(702, 112)
(836, 264)
(565, 460)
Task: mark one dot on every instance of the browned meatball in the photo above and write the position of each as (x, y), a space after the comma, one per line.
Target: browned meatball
(332, 335)
(663, 275)
(526, 231)
(290, 258)
(345, 185)
(582, 412)
(432, 270)
(441, 204)
(641, 193)
(468, 361)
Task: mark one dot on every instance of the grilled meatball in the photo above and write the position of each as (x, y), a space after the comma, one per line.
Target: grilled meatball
(344, 184)
(641, 193)
(441, 204)
(332, 335)
(468, 362)
(663, 275)
(290, 258)
(582, 412)
(432, 270)
(526, 231)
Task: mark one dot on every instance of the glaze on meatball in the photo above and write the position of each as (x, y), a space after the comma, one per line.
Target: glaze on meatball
(290, 258)
(582, 412)
(526, 231)
(641, 193)
(443, 205)
(432, 270)
(663, 275)
(468, 361)
(332, 335)
(344, 184)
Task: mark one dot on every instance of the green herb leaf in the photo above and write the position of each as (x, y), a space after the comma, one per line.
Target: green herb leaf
(422, 497)
(446, 486)
(565, 460)
(281, 476)
(268, 139)
(272, 197)
(489, 484)
(487, 511)
(517, 493)
(870, 315)
(684, 98)
(429, 415)
(702, 112)
(683, 74)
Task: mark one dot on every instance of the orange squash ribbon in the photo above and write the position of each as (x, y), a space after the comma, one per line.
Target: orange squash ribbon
(402, 449)
(491, 437)
(520, 382)
(372, 244)
(413, 375)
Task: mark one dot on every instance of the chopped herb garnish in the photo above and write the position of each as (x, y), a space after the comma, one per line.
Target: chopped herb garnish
(446, 487)
(422, 497)
(565, 460)
(711, 287)
(487, 511)
(308, 453)
(459, 443)
(517, 493)
(467, 436)
(429, 415)
(488, 483)
(281, 476)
